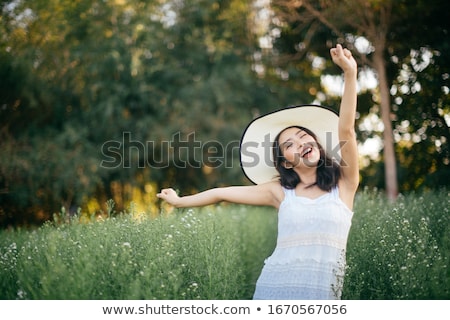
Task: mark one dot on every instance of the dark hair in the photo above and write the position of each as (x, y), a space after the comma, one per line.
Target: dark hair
(328, 170)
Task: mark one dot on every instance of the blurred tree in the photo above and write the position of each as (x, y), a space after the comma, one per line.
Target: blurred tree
(420, 90)
(113, 99)
(422, 104)
(53, 158)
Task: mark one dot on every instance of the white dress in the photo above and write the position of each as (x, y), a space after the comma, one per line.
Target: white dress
(309, 259)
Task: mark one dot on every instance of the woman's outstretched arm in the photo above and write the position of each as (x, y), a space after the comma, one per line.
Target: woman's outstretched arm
(267, 194)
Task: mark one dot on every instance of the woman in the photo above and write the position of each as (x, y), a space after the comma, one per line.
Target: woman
(313, 193)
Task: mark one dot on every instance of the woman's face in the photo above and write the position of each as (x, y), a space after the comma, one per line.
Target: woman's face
(298, 148)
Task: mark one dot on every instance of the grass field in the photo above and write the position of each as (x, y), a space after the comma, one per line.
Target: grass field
(396, 250)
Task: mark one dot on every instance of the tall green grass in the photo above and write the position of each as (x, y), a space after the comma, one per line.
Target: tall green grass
(396, 250)
(399, 250)
(212, 253)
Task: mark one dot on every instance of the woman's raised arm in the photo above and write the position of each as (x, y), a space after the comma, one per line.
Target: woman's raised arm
(347, 113)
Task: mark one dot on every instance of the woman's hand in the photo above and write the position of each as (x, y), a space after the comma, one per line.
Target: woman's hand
(344, 59)
(170, 196)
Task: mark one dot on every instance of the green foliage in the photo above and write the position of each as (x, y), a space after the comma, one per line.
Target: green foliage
(424, 153)
(189, 255)
(77, 74)
(395, 250)
(399, 250)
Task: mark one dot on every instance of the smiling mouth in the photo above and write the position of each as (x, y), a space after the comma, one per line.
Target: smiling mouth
(306, 152)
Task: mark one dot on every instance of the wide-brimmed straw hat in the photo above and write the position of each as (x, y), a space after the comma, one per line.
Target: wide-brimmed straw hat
(256, 145)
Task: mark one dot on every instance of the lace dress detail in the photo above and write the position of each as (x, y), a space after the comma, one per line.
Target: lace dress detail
(309, 259)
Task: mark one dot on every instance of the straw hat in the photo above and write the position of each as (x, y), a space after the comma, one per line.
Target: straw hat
(256, 145)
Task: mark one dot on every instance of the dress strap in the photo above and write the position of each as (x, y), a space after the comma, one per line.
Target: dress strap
(288, 192)
(335, 192)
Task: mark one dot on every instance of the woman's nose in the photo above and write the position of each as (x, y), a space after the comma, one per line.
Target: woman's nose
(300, 145)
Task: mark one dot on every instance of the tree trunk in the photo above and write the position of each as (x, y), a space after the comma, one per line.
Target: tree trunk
(390, 164)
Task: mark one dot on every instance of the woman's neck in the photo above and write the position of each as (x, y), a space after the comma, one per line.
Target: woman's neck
(307, 177)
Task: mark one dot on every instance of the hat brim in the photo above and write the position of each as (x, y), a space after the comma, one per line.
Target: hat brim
(257, 140)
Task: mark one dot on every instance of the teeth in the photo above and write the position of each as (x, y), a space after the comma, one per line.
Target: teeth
(306, 151)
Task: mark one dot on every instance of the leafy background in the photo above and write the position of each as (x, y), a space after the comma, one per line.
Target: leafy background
(75, 74)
